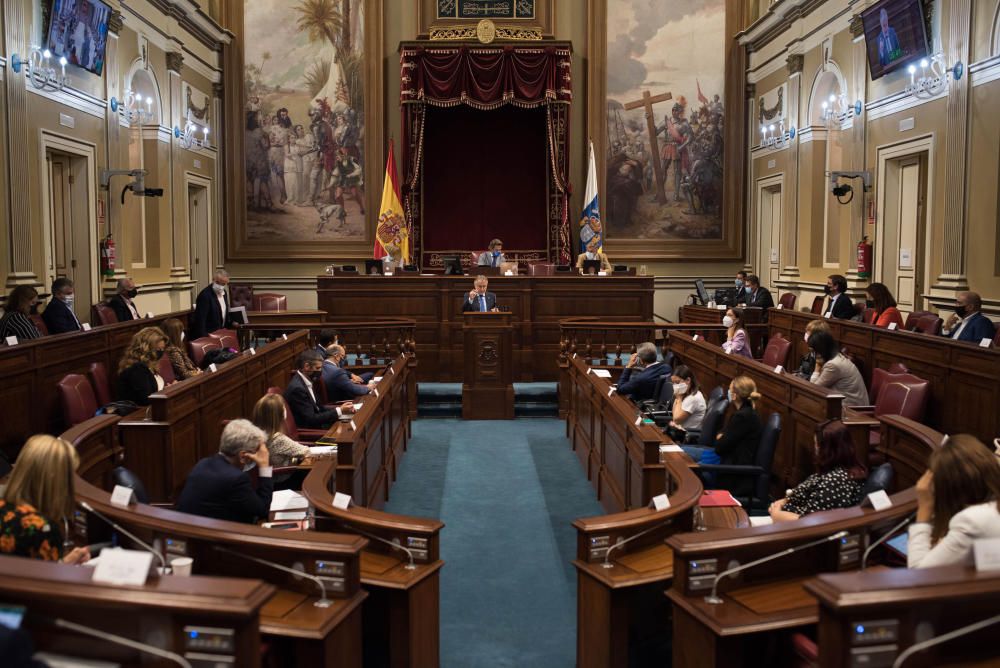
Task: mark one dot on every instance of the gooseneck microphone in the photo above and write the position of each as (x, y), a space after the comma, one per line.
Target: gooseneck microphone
(622, 543)
(409, 553)
(323, 601)
(119, 640)
(715, 600)
(117, 527)
(943, 638)
(884, 537)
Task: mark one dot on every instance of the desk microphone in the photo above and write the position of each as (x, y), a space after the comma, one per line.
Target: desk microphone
(884, 537)
(163, 564)
(119, 640)
(323, 601)
(620, 543)
(715, 600)
(943, 638)
(409, 553)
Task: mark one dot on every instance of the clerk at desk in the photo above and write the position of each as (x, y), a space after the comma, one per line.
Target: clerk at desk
(479, 299)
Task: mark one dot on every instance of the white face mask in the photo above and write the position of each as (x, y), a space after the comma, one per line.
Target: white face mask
(805, 337)
(183, 336)
(727, 321)
(219, 289)
(68, 300)
(249, 466)
(732, 397)
(680, 388)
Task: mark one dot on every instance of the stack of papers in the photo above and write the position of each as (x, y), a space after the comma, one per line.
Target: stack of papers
(601, 373)
(322, 451)
(286, 499)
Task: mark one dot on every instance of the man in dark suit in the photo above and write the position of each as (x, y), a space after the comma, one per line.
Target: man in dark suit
(122, 303)
(219, 487)
(840, 305)
(741, 287)
(759, 296)
(58, 315)
(638, 381)
(341, 384)
(327, 337)
(301, 397)
(968, 323)
(211, 308)
(478, 298)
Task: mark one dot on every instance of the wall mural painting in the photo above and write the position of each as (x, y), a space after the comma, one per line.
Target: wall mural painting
(665, 121)
(304, 133)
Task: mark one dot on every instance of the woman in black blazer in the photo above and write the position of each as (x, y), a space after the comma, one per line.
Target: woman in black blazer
(138, 375)
(737, 444)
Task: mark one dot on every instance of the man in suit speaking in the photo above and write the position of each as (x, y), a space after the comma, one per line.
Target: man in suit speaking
(479, 299)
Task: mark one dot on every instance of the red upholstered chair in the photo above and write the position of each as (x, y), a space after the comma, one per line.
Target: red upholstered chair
(817, 307)
(269, 301)
(859, 310)
(911, 320)
(99, 378)
(102, 314)
(777, 351)
(787, 301)
(39, 324)
(901, 394)
(166, 370)
(879, 376)
(199, 347)
(292, 429)
(541, 269)
(870, 316)
(77, 397)
(240, 294)
(929, 324)
(226, 337)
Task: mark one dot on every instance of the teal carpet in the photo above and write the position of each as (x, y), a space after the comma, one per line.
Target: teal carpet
(507, 492)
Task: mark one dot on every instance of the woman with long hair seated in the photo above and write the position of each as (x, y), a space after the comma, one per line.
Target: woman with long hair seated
(37, 504)
(738, 442)
(736, 342)
(837, 483)
(958, 503)
(269, 417)
(138, 369)
(808, 362)
(689, 403)
(179, 360)
(834, 371)
(879, 298)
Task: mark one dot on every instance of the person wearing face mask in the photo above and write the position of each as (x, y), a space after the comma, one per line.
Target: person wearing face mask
(638, 381)
(736, 342)
(122, 303)
(808, 363)
(968, 323)
(758, 295)
(138, 369)
(689, 403)
(16, 319)
(878, 297)
(834, 371)
(301, 397)
(219, 487)
(339, 382)
(211, 308)
(328, 337)
(183, 366)
(741, 287)
(58, 314)
(493, 256)
(269, 417)
(840, 305)
(738, 441)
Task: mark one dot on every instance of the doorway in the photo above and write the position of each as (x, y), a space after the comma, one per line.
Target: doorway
(199, 228)
(902, 233)
(70, 230)
(769, 216)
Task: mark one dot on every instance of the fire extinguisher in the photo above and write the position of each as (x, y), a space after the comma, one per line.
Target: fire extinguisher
(864, 258)
(108, 256)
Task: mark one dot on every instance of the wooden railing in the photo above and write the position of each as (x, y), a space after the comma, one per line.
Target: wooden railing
(380, 340)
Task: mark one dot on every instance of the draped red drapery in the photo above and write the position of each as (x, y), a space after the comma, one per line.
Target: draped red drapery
(487, 78)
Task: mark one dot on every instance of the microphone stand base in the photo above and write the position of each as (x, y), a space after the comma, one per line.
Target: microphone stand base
(323, 603)
(605, 564)
(713, 600)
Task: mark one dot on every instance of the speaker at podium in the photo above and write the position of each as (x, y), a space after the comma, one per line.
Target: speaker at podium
(487, 390)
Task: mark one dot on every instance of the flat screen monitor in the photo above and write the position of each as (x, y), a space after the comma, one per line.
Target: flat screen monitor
(895, 35)
(703, 295)
(373, 267)
(78, 31)
(591, 266)
(452, 265)
(726, 296)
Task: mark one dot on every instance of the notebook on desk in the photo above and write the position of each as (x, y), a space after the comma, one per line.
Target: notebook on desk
(717, 498)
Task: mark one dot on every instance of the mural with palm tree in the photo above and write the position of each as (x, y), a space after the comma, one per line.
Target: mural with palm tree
(304, 83)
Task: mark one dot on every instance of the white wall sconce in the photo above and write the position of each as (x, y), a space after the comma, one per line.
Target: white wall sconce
(776, 137)
(836, 110)
(933, 77)
(132, 105)
(189, 136)
(39, 72)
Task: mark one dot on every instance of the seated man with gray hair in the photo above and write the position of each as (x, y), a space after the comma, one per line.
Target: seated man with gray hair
(638, 381)
(219, 487)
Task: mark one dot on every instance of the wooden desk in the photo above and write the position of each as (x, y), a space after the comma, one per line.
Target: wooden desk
(487, 392)
(184, 421)
(752, 315)
(537, 303)
(163, 613)
(891, 607)
(964, 378)
(302, 316)
(31, 371)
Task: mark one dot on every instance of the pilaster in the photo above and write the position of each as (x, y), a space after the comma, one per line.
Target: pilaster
(790, 198)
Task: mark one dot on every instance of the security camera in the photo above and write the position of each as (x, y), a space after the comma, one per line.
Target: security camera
(152, 192)
(842, 190)
(137, 186)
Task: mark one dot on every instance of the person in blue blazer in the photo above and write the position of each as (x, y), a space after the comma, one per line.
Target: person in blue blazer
(340, 383)
(968, 323)
(58, 315)
(638, 381)
(219, 487)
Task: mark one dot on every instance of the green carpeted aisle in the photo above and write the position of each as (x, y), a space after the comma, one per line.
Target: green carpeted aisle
(507, 492)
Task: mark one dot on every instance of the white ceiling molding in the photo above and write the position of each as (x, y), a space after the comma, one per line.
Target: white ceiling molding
(898, 103)
(985, 71)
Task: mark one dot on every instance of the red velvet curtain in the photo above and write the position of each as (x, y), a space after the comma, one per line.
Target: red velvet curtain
(486, 78)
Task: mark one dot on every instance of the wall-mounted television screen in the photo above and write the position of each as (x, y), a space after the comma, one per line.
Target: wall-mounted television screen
(78, 30)
(895, 35)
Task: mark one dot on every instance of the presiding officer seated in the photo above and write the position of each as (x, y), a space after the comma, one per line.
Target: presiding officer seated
(340, 383)
(219, 487)
(638, 381)
(301, 398)
(478, 298)
(594, 252)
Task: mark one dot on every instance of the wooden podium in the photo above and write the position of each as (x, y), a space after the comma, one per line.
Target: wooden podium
(487, 392)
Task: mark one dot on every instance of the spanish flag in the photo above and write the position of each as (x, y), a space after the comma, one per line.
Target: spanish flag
(392, 237)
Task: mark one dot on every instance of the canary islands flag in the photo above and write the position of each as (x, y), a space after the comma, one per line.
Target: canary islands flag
(392, 236)
(590, 222)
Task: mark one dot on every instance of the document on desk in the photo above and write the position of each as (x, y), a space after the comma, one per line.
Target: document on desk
(286, 499)
(601, 373)
(322, 451)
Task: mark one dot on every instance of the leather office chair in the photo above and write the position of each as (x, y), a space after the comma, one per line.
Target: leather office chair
(759, 471)
(77, 396)
(227, 338)
(39, 324)
(879, 376)
(166, 370)
(900, 394)
(541, 269)
(240, 294)
(292, 429)
(658, 408)
(859, 311)
(102, 314)
(126, 478)
(717, 394)
(270, 301)
(880, 478)
(711, 424)
(787, 301)
(911, 319)
(929, 324)
(777, 351)
(199, 347)
(817, 307)
(99, 379)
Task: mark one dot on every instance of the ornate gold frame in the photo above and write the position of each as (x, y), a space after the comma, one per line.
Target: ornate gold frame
(236, 245)
(541, 26)
(731, 246)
